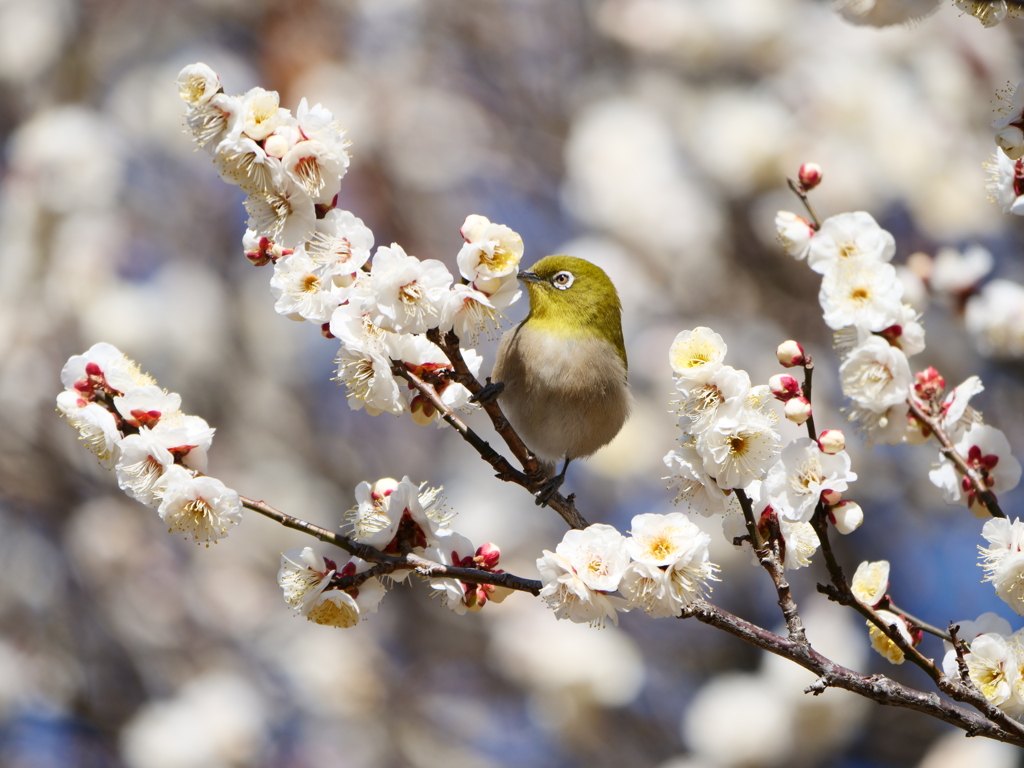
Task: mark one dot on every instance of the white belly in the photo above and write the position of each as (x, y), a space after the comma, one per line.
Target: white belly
(570, 400)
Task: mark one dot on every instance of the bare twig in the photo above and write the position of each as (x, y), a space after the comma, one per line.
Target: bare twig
(799, 192)
(808, 375)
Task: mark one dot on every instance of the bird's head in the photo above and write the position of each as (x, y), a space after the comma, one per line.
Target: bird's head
(572, 297)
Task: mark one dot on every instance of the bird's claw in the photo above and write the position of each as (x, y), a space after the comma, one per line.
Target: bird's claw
(489, 393)
(549, 490)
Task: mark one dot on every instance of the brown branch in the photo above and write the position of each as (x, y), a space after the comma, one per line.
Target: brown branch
(386, 564)
(923, 625)
(878, 688)
(841, 593)
(769, 555)
(987, 497)
(532, 477)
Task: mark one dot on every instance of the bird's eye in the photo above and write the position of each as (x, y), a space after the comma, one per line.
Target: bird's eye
(562, 280)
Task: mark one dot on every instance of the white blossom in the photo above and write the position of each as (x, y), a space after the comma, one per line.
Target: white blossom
(995, 318)
(577, 577)
(369, 383)
(286, 214)
(955, 273)
(987, 451)
(861, 292)
(739, 450)
(146, 406)
(144, 459)
(1003, 560)
(696, 487)
(803, 473)
(491, 250)
(96, 426)
(801, 541)
(303, 575)
(103, 368)
(696, 355)
(198, 84)
(722, 395)
(314, 167)
(880, 641)
(303, 289)
(876, 375)
(341, 244)
(1004, 183)
(849, 237)
(408, 292)
(870, 581)
(201, 507)
(794, 233)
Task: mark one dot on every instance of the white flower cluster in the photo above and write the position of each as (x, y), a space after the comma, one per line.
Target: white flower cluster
(291, 167)
(995, 661)
(877, 334)
(730, 441)
(1003, 560)
(661, 568)
(394, 517)
(137, 429)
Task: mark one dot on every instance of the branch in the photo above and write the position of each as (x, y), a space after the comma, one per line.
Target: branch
(532, 478)
(878, 688)
(799, 192)
(808, 373)
(769, 554)
(386, 564)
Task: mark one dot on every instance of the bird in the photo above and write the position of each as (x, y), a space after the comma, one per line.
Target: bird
(561, 374)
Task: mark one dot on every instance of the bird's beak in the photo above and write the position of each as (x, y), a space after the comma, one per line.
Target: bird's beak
(530, 277)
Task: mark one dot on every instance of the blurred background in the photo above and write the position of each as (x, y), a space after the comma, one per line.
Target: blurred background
(652, 137)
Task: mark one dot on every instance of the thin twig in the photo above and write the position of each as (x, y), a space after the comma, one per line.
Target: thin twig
(385, 564)
(799, 192)
(808, 374)
(923, 625)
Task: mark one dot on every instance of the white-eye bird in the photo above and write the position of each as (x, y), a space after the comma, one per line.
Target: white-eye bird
(561, 372)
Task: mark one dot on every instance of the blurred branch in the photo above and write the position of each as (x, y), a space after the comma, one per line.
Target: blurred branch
(385, 564)
(878, 688)
(799, 192)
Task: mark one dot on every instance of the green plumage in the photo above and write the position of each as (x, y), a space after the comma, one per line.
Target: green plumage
(564, 367)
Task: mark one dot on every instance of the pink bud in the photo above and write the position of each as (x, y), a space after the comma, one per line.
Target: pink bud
(930, 384)
(847, 516)
(325, 331)
(784, 386)
(832, 441)
(798, 410)
(487, 556)
(831, 497)
(810, 176)
(791, 354)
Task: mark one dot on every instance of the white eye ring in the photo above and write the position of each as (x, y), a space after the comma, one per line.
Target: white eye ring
(563, 280)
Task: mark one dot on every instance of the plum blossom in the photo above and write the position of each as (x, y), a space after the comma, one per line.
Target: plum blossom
(794, 233)
(408, 292)
(881, 642)
(1003, 560)
(579, 575)
(389, 508)
(738, 450)
(696, 355)
(995, 318)
(456, 550)
(491, 251)
(796, 482)
(198, 84)
(875, 375)
(303, 575)
(849, 237)
(987, 451)
(870, 581)
(201, 508)
(304, 289)
(861, 292)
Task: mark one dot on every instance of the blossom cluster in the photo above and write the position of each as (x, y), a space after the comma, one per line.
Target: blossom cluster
(394, 517)
(877, 333)
(661, 568)
(729, 442)
(158, 452)
(994, 661)
(379, 306)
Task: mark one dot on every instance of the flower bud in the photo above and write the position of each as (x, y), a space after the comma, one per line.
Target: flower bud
(798, 410)
(930, 384)
(794, 233)
(422, 410)
(831, 497)
(847, 516)
(810, 176)
(832, 441)
(1011, 139)
(383, 487)
(784, 387)
(487, 556)
(790, 354)
(276, 146)
(325, 331)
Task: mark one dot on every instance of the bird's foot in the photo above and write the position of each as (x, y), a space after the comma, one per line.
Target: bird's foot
(549, 490)
(489, 393)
